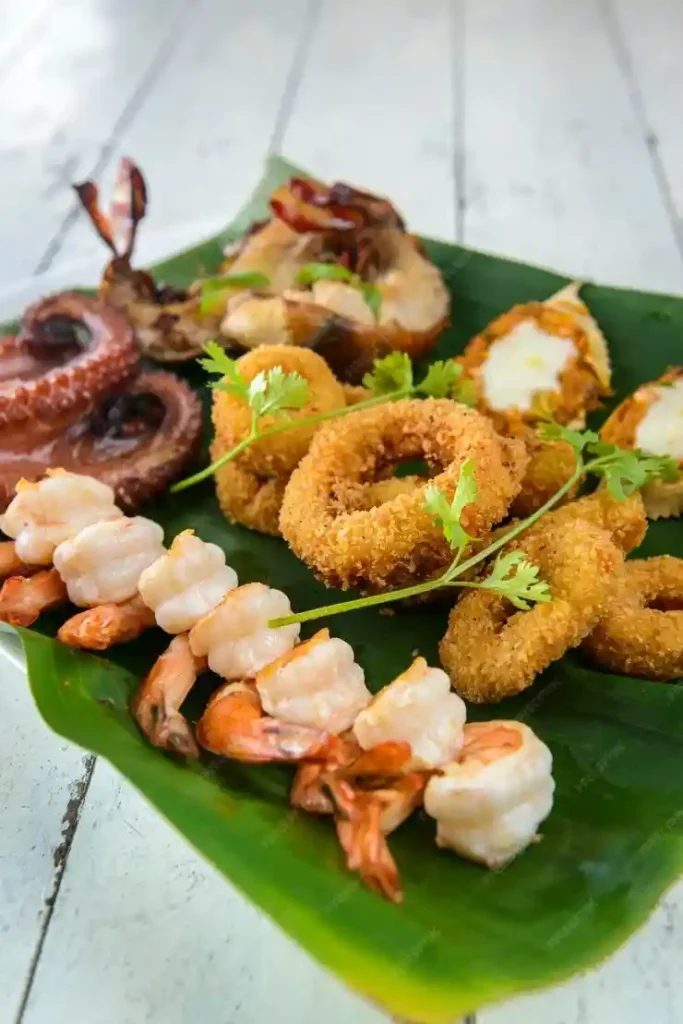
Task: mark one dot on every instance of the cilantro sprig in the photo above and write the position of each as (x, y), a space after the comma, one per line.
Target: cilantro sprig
(274, 393)
(512, 575)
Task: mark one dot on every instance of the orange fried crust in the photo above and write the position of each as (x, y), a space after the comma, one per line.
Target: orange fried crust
(397, 542)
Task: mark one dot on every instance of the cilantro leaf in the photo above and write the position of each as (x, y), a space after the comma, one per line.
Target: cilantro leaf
(627, 470)
(578, 439)
(274, 392)
(218, 361)
(440, 379)
(516, 578)
(373, 298)
(447, 514)
(214, 288)
(389, 374)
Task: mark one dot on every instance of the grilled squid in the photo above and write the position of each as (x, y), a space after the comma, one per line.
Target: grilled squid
(489, 802)
(652, 419)
(538, 360)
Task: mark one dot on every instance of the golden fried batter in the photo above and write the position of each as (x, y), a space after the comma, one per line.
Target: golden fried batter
(551, 463)
(641, 632)
(246, 497)
(396, 542)
(492, 651)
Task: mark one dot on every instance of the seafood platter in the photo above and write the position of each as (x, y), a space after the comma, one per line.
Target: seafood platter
(326, 532)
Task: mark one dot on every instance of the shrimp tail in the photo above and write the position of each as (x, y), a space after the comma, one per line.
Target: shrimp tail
(97, 629)
(156, 704)
(23, 599)
(11, 564)
(362, 840)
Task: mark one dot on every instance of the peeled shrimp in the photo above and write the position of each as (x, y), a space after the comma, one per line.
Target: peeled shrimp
(235, 726)
(45, 514)
(157, 701)
(236, 637)
(102, 563)
(419, 708)
(186, 583)
(318, 684)
(489, 802)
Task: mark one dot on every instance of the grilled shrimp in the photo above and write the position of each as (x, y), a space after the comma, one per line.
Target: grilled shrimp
(101, 627)
(102, 563)
(234, 725)
(43, 515)
(236, 637)
(317, 684)
(489, 802)
(420, 709)
(24, 598)
(186, 582)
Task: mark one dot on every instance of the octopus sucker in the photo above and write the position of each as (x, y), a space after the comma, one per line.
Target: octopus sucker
(540, 359)
(651, 419)
(136, 439)
(70, 351)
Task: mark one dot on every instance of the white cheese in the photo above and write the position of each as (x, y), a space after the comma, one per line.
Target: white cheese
(527, 361)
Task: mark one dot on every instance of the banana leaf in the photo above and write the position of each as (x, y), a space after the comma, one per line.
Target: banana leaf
(464, 936)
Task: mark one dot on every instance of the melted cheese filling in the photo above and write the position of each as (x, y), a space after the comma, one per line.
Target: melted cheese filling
(660, 432)
(524, 363)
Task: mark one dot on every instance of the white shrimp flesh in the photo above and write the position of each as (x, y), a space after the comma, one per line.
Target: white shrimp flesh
(45, 514)
(420, 709)
(236, 637)
(186, 583)
(102, 564)
(318, 685)
(489, 803)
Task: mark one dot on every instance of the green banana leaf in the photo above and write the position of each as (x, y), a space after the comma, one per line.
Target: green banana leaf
(464, 936)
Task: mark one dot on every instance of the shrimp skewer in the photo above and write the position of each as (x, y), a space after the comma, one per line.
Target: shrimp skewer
(99, 628)
(24, 598)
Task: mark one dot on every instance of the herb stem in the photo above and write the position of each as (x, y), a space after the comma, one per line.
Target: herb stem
(280, 428)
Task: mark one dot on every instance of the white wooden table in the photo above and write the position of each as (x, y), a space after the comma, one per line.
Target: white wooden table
(546, 130)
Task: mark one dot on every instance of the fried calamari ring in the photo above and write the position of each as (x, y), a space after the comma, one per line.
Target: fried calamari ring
(277, 456)
(624, 520)
(245, 497)
(551, 463)
(641, 632)
(492, 651)
(396, 542)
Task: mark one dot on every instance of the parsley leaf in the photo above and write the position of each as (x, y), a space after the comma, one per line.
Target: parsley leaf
(578, 439)
(274, 392)
(447, 515)
(390, 374)
(218, 361)
(516, 578)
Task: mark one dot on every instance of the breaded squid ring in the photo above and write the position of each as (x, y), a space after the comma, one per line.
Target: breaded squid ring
(641, 632)
(245, 497)
(396, 542)
(277, 456)
(491, 651)
(551, 463)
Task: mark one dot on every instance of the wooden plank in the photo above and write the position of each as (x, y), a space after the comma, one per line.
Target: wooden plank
(62, 98)
(202, 134)
(377, 105)
(557, 170)
(648, 39)
(40, 775)
(146, 931)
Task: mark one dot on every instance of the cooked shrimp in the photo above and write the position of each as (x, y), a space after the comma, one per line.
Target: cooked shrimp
(24, 598)
(236, 637)
(346, 759)
(489, 802)
(186, 582)
(156, 703)
(11, 564)
(102, 564)
(235, 726)
(540, 358)
(652, 419)
(419, 708)
(365, 818)
(99, 628)
(51, 511)
(318, 684)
